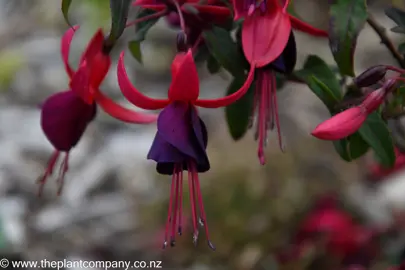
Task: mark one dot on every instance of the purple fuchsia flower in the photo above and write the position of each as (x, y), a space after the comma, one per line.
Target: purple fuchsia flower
(65, 115)
(181, 139)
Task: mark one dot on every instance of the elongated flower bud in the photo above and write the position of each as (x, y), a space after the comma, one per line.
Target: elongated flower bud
(341, 125)
(374, 100)
(370, 76)
(181, 42)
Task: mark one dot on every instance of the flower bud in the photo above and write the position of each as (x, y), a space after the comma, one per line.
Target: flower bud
(374, 100)
(181, 42)
(341, 125)
(370, 76)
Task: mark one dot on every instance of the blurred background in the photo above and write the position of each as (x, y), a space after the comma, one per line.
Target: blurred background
(114, 204)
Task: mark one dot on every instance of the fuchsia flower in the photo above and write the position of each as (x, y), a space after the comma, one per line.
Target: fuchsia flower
(377, 171)
(341, 236)
(65, 115)
(269, 45)
(349, 121)
(181, 139)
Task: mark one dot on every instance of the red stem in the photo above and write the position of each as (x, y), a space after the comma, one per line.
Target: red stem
(149, 17)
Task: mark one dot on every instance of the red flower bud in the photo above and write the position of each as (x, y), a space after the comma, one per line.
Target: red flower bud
(341, 125)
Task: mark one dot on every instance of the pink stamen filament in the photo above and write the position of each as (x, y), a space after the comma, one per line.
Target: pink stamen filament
(180, 200)
(203, 218)
(48, 172)
(266, 107)
(175, 205)
(193, 206)
(62, 172)
(149, 17)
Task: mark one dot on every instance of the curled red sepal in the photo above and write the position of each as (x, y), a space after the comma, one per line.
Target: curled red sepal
(121, 113)
(185, 82)
(265, 36)
(132, 94)
(341, 125)
(307, 28)
(227, 100)
(65, 49)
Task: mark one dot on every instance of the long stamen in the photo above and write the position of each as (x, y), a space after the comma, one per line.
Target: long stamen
(275, 104)
(201, 205)
(49, 170)
(174, 219)
(261, 119)
(62, 172)
(169, 213)
(193, 206)
(180, 199)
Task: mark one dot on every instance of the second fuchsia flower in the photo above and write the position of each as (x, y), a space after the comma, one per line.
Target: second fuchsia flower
(269, 46)
(181, 139)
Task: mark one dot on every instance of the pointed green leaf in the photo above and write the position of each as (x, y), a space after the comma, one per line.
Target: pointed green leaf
(225, 50)
(135, 49)
(65, 10)
(347, 19)
(397, 15)
(351, 148)
(119, 16)
(142, 28)
(238, 114)
(323, 92)
(375, 132)
(315, 66)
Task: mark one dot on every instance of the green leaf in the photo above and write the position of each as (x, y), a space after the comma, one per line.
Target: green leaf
(401, 48)
(351, 148)
(347, 19)
(323, 92)
(135, 49)
(225, 50)
(398, 16)
(119, 16)
(142, 28)
(315, 66)
(65, 10)
(212, 65)
(375, 132)
(237, 114)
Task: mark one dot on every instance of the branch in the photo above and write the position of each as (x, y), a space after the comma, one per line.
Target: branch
(381, 32)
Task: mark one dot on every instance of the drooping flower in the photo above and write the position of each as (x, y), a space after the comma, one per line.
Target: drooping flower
(181, 139)
(65, 115)
(268, 44)
(338, 232)
(349, 121)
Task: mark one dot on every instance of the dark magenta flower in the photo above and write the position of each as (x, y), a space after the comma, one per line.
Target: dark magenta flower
(65, 115)
(181, 139)
(340, 235)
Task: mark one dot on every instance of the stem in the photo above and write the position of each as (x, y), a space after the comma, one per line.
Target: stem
(149, 17)
(182, 23)
(381, 32)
